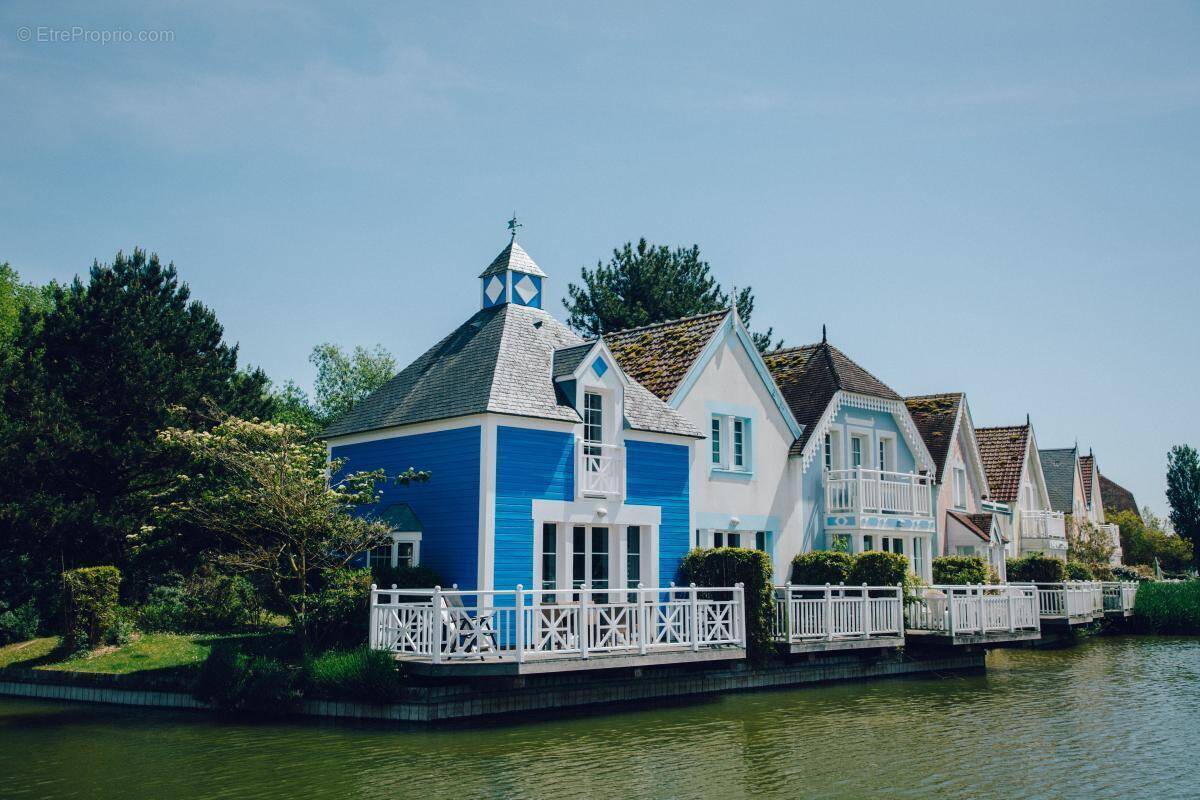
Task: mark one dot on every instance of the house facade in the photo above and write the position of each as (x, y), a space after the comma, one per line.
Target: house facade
(1019, 498)
(966, 527)
(551, 468)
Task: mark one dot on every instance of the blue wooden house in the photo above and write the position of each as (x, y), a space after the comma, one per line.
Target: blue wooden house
(551, 468)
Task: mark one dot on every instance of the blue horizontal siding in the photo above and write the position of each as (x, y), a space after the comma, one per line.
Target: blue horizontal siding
(657, 475)
(447, 505)
(530, 465)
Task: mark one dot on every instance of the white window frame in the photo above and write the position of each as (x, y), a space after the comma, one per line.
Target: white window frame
(886, 452)
(959, 474)
(405, 537)
(724, 444)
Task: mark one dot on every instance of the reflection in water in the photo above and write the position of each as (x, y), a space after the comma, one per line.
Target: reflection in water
(1109, 718)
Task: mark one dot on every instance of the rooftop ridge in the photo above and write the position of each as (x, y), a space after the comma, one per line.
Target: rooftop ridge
(664, 323)
(934, 395)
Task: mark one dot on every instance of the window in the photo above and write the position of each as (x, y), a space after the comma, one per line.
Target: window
(381, 556)
(918, 556)
(856, 451)
(732, 448)
(883, 459)
(593, 419)
(739, 443)
(405, 554)
(760, 540)
(960, 487)
(403, 551)
(589, 559)
(868, 542)
(828, 452)
(718, 538)
(965, 550)
(549, 556)
(600, 562)
(579, 553)
(633, 556)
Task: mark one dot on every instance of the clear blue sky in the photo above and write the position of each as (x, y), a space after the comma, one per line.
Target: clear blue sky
(997, 198)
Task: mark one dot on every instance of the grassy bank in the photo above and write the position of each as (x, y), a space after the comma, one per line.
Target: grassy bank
(150, 652)
(1168, 607)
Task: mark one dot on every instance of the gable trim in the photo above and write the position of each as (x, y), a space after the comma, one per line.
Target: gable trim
(897, 408)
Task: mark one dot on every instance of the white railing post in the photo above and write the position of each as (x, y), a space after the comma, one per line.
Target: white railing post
(520, 623)
(1012, 611)
(584, 623)
(866, 611)
(373, 621)
(642, 620)
(435, 634)
(899, 605)
(951, 611)
(828, 612)
(787, 612)
(740, 614)
(982, 611)
(695, 609)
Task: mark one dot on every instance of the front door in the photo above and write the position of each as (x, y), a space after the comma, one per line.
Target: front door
(591, 555)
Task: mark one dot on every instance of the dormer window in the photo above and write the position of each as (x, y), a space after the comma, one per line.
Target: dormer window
(593, 418)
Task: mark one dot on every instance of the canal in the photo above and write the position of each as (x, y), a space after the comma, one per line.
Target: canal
(1111, 717)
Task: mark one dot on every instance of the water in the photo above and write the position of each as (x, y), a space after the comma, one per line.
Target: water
(1112, 717)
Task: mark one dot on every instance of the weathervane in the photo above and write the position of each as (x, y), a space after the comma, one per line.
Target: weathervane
(513, 225)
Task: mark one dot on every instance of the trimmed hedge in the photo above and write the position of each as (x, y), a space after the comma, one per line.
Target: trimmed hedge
(90, 597)
(960, 570)
(1079, 571)
(726, 566)
(821, 567)
(1168, 607)
(1036, 568)
(878, 568)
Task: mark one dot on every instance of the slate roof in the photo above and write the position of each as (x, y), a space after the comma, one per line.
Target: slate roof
(1002, 451)
(1058, 465)
(515, 258)
(1117, 497)
(501, 361)
(809, 376)
(934, 415)
(566, 359)
(1085, 469)
(659, 356)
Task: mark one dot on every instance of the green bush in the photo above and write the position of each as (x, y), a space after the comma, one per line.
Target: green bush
(726, 566)
(1036, 568)
(363, 674)
(337, 611)
(821, 567)
(120, 631)
(208, 600)
(1123, 573)
(18, 624)
(89, 605)
(961, 570)
(1078, 571)
(406, 577)
(235, 680)
(1168, 607)
(877, 568)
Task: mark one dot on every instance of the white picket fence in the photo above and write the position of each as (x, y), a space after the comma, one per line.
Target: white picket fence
(976, 609)
(444, 625)
(1119, 595)
(814, 613)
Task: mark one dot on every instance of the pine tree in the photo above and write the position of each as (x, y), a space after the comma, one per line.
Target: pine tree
(1183, 495)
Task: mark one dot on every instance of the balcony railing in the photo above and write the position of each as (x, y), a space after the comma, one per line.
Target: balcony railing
(600, 469)
(441, 626)
(1073, 601)
(815, 613)
(1050, 525)
(979, 609)
(873, 491)
(1119, 596)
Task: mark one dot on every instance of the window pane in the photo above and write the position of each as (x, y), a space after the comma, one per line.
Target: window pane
(404, 556)
(868, 542)
(856, 452)
(716, 440)
(600, 559)
(760, 541)
(735, 539)
(718, 538)
(381, 556)
(633, 555)
(578, 556)
(828, 452)
(593, 417)
(549, 556)
(739, 435)
(882, 454)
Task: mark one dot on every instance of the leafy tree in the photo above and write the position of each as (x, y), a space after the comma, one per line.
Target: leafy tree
(16, 298)
(343, 380)
(263, 487)
(1183, 495)
(651, 283)
(87, 390)
(1086, 544)
(1143, 540)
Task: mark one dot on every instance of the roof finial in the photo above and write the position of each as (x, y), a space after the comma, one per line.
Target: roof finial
(1026, 419)
(822, 333)
(513, 225)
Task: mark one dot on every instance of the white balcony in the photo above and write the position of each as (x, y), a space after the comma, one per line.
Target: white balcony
(872, 491)
(599, 469)
(975, 614)
(1044, 531)
(1112, 534)
(817, 618)
(524, 631)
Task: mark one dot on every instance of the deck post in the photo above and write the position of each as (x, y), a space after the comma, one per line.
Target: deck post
(786, 616)
(739, 612)
(950, 610)
(584, 622)
(1012, 611)
(900, 602)
(982, 611)
(642, 620)
(695, 609)
(435, 621)
(373, 621)
(520, 624)
(866, 612)
(828, 612)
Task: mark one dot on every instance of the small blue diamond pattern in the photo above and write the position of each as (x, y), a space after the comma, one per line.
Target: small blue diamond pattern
(599, 367)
